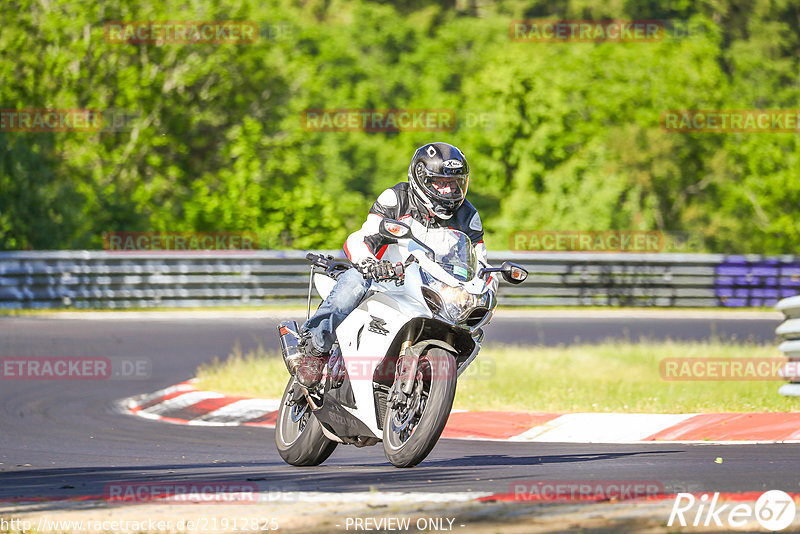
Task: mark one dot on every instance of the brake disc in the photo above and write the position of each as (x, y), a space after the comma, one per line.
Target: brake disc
(413, 406)
(297, 414)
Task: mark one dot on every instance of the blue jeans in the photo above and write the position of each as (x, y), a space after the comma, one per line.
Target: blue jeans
(350, 288)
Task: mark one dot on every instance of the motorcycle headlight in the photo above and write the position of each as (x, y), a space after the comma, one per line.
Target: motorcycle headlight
(455, 302)
(485, 300)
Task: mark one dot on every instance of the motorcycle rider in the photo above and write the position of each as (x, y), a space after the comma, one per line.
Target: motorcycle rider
(433, 196)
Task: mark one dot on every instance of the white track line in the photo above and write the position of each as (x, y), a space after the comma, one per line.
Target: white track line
(601, 427)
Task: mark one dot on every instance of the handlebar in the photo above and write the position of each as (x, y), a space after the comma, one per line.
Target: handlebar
(316, 259)
(328, 262)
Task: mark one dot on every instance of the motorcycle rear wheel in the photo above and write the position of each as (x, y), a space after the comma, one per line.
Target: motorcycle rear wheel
(408, 437)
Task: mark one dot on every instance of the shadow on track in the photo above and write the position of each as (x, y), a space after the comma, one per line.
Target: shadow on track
(48, 489)
(504, 460)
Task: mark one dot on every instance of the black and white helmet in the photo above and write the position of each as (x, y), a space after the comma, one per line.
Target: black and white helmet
(439, 177)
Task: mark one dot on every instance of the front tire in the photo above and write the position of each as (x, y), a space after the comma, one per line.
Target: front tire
(298, 434)
(409, 436)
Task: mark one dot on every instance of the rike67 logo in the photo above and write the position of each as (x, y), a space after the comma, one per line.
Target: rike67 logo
(774, 510)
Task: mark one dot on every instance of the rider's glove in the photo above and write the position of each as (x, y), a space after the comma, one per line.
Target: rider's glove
(399, 270)
(365, 266)
(380, 270)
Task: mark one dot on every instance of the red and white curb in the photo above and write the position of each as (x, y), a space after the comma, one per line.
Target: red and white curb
(184, 404)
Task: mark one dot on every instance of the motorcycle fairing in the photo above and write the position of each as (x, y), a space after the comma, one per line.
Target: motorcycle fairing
(324, 284)
(363, 349)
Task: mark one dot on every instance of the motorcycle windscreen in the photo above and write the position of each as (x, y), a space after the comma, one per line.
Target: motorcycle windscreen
(454, 252)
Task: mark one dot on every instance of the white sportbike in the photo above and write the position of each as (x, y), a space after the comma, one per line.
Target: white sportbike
(393, 369)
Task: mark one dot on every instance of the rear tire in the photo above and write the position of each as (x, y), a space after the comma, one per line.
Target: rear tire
(438, 370)
(300, 442)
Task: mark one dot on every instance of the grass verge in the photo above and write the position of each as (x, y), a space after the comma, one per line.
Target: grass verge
(613, 376)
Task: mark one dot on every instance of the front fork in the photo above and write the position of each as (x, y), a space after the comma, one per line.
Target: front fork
(407, 364)
(407, 369)
(405, 372)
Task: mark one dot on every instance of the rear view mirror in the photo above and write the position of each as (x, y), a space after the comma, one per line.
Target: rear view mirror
(394, 229)
(513, 273)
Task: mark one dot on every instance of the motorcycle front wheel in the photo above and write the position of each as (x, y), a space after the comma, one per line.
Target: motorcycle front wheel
(298, 434)
(411, 430)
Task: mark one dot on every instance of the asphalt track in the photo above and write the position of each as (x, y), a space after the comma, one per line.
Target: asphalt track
(65, 439)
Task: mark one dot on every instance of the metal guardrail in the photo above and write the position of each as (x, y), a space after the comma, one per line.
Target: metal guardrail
(100, 279)
(789, 332)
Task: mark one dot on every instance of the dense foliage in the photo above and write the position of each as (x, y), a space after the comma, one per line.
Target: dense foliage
(560, 136)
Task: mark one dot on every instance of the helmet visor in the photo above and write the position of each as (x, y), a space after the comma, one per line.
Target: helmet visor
(447, 186)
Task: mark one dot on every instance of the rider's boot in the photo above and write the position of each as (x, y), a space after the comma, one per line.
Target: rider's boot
(312, 361)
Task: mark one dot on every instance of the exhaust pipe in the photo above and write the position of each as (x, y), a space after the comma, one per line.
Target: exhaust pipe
(290, 339)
